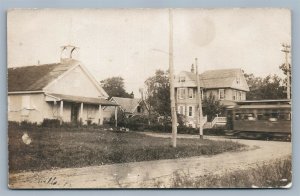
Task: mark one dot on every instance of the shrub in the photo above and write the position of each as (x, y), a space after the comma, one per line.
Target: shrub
(50, 123)
(27, 124)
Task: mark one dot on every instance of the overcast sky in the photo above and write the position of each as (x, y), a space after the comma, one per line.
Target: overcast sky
(133, 43)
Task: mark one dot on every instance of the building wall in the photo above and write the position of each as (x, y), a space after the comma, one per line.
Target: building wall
(36, 109)
(76, 83)
(187, 105)
(29, 107)
(184, 103)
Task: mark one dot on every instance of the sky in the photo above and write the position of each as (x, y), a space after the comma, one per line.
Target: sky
(133, 43)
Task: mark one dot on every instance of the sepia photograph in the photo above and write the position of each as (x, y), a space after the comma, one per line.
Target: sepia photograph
(149, 98)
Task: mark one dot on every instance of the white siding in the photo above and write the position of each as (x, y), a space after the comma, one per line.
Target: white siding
(75, 83)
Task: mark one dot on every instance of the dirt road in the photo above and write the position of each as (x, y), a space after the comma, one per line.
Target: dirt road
(147, 174)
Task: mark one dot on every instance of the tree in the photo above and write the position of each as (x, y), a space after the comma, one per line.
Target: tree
(114, 87)
(211, 107)
(158, 94)
(270, 87)
(287, 71)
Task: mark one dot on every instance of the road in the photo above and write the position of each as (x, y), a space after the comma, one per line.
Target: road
(147, 174)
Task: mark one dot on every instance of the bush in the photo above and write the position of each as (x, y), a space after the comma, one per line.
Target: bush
(27, 124)
(50, 123)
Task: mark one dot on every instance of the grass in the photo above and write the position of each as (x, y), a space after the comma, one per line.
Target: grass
(275, 174)
(78, 147)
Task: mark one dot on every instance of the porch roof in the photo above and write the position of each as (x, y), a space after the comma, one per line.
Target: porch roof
(78, 99)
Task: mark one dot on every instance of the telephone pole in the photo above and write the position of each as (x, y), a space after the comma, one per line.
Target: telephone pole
(199, 101)
(171, 76)
(286, 50)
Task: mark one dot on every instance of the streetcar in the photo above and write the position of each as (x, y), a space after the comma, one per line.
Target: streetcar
(260, 118)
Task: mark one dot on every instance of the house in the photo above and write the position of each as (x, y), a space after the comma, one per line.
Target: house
(227, 85)
(127, 106)
(65, 91)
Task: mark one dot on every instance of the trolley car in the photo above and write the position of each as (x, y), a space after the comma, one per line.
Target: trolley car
(261, 117)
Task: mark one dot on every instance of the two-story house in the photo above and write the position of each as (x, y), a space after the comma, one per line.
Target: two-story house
(227, 85)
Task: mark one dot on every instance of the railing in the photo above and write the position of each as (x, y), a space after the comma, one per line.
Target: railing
(216, 120)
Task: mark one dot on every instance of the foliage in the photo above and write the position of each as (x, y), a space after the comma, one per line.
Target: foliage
(275, 174)
(211, 107)
(114, 87)
(158, 93)
(285, 69)
(270, 87)
(50, 122)
(77, 147)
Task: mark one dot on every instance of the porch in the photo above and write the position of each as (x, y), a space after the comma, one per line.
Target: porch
(75, 109)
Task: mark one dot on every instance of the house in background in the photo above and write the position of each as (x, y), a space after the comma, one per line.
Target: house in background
(65, 91)
(127, 106)
(227, 85)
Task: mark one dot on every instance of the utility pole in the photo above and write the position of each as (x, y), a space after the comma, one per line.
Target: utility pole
(199, 102)
(171, 76)
(286, 50)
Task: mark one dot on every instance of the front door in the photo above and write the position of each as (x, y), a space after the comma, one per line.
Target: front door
(74, 112)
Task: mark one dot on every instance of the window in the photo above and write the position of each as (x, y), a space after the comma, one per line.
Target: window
(181, 93)
(240, 95)
(284, 116)
(221, 94)
(238, 80)
(181, 78)
(139, 109)
(191, 93)
(190, 111)
(181, 109)
(234, 96)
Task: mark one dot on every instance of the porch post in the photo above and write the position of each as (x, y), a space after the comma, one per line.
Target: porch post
(100, 115)
(81, 113)
(61, 111)
(116, 115)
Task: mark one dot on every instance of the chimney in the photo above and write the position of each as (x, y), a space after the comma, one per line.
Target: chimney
(193, 69)
(67, 53)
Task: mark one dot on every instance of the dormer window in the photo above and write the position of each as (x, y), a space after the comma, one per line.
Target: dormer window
(238, 80)
(181, 79)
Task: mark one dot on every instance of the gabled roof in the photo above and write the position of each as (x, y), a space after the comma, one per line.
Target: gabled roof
(35, 78)
(127, 104)
(220, 78)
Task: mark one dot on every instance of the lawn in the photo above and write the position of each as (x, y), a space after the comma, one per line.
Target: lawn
(78, 147)
(276, 174)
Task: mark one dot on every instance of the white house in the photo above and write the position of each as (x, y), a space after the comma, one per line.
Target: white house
(64, 91)
(227, 85)
(128, 106)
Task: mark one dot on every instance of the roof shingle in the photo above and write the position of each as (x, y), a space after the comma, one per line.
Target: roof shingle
(35, 78)
(127, 104)
(220, 78)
